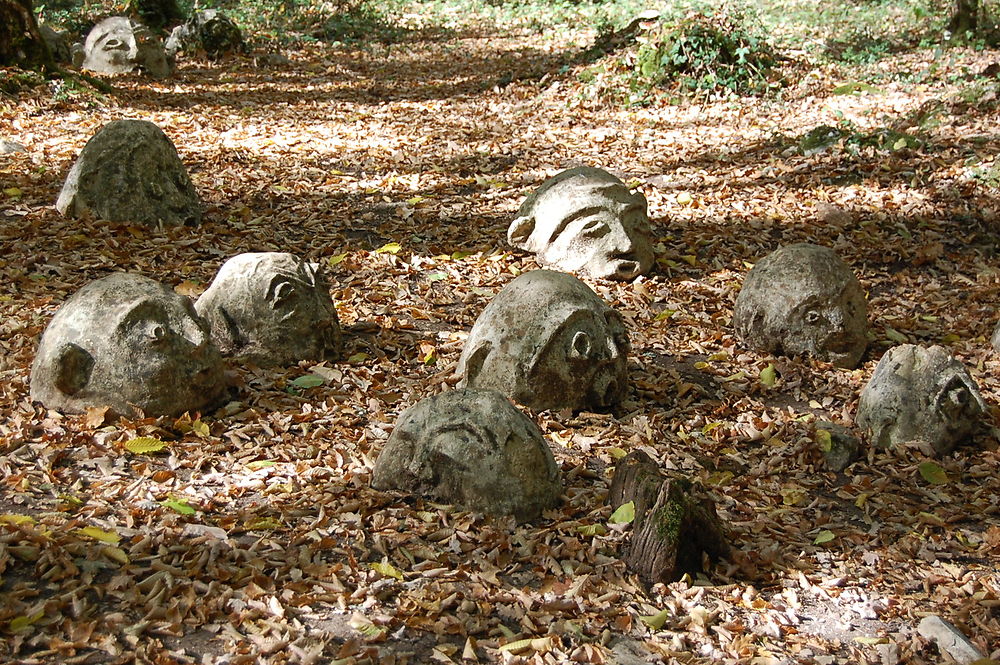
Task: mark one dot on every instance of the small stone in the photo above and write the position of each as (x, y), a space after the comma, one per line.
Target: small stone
(844, 448)
(131, 344)
(472, 448)
(271, 308)
(547, 341)
(11, 147)
(585, 220)
(949, 639)
(803, 300)
(118, 45)
(920, 394)
(129, 171)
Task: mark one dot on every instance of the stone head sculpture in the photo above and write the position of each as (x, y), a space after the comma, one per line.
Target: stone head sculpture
(920, 393)
(126, 341)
(585, 220)
(208, 30)
(129, 171)
(549, 342)
(802, 299)
(472, 448)
(119, 44)
(271, 308)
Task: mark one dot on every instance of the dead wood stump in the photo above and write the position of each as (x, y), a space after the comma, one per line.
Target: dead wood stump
(674, 525)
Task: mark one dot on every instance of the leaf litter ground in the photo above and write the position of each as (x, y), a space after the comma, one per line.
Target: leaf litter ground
(252, 536)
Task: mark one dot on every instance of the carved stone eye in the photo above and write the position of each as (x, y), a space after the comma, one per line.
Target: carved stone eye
(812, 316)
(580, 347)
(157, 333)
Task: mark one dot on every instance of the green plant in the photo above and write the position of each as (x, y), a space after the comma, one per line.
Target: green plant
(703, 50)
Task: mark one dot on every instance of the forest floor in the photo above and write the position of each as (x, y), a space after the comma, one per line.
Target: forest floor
(399, 167)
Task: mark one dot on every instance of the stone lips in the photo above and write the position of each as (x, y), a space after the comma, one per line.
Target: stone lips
(585, 220)
(271, 308)
(803, 299)
(472, 448)
(920, 394)
(129, 171)
(549, 342)
(126, 341)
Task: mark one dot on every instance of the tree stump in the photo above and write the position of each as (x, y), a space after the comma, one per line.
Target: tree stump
(20, 41)
(673, 526)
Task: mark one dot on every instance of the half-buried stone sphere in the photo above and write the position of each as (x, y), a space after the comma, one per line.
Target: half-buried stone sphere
(271, 308)
(803, 300)
(920, 394)
(472, 448)
(585, 220)
(547, 341)
(131, 344)
(129, 171)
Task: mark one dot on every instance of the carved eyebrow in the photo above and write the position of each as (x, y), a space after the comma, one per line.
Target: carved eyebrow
(572, 217)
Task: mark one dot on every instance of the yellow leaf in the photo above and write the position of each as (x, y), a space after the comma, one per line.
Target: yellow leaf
(13, 192)
(824, 440)
(415, 200)
(768, 376)
(262, 524)
(357, 358)
(824, 537)
(624, 514)
(656, 621)
(684, 199)
(386, 569)
(896, 336)
(690, 259)
(12, 518)
(337, 258)
(200, 428)
(665, 314)
(389, 248)
(616, 453)
(592, 530)
(99, 534)
(260, 464)
(933, 473)
(23, 622)
(517, 646)
(701, 364)
(116, 554)
(144, 445)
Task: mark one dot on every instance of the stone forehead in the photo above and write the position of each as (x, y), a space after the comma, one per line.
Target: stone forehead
(254, 266)
(801, 269)
(121, 135)
(544, 293)
(458, 409)
(102, 299)
(113, 24)
(579, 183)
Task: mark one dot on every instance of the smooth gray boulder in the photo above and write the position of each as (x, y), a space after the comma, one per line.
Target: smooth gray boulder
(802, 299)
(208, 30)
(920, 394)
(129, 171)
(8, 147)
(271, 308)
(549, 342)
(474, 449)
(127, 342)
(585, 220)
(118, 45)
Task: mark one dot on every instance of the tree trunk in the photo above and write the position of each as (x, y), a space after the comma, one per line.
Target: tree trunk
(673, 526)
(965, 18)
(20, 42)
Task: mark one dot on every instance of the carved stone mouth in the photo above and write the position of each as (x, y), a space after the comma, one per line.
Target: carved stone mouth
(625, 268)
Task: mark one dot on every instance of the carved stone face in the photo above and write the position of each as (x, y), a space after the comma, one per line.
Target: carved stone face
(923, 394)
(585, 220)
(129, 171)
(472, 448)
(271, 308)
(126, 341)
(119, 44)
(549, 342)
(802, 299)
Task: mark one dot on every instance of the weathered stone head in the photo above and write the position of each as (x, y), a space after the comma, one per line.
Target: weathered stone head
(271, 308)
(119, 44)
(126, 341)
(802, 299)
(549, 342)
(920, 394)
(129, 171)
(474, 449)
(585, 220)
(208, 30)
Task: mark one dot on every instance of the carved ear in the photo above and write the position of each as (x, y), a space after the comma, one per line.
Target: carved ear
(140, 310)
(280, 292)
(520, 230)
(73, 368)
(474, 365)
